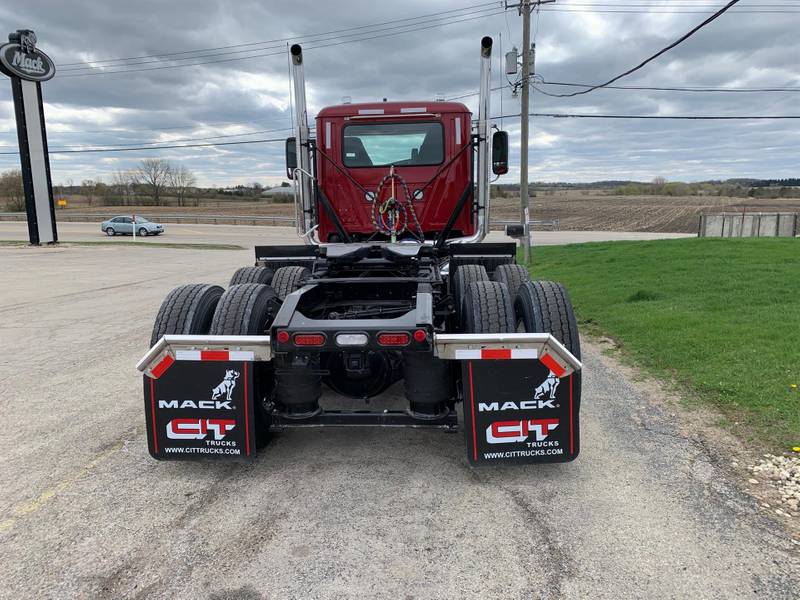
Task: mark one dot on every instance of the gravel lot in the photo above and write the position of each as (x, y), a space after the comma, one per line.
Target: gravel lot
(85, 512)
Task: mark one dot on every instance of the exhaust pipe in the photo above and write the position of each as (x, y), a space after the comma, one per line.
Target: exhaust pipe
(482, 183)
(303, 171)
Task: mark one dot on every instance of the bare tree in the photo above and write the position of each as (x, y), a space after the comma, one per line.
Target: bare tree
(181, 179)
(155, 173)
(123, 182)
(91, 188)
(11, 189)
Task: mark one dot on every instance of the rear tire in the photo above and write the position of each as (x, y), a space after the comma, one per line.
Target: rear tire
(513, 276)
(545, 307)
(488, 308)
(187, 310)
(252, 275)
(289, 279)
(464, 277)
(246, 309)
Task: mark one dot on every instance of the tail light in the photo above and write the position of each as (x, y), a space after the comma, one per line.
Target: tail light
(309, 339)
(420, 335)
(397, 338)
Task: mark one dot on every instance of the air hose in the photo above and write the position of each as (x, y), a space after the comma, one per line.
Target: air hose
(391, 217)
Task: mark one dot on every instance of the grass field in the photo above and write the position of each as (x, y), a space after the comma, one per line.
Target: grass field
(718, 317)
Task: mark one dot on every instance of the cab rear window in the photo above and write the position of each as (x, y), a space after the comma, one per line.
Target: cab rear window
(399, 144)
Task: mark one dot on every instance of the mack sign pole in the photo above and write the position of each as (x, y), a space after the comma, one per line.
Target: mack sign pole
(28, 67)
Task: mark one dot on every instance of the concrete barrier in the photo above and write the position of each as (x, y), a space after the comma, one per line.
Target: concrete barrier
(748, 225)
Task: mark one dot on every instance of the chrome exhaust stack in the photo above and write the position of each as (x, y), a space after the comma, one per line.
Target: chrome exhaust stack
(482, 178)
(303, 172)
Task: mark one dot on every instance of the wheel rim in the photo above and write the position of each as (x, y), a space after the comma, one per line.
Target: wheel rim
(143, 232)
(110, 231)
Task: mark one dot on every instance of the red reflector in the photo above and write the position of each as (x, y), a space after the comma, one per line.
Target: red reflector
(213, 355)
(400, 338)
(420, 335)
(496, 353)
(549, 362)
(283, 337)
(309, 339)
(162, 366)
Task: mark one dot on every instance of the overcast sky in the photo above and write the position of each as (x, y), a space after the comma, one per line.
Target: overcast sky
(246, 88)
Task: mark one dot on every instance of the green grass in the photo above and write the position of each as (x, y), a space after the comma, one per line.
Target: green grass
(718, 317)
(179, 246)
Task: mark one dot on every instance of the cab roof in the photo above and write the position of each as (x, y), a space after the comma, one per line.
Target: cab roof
(392, 108)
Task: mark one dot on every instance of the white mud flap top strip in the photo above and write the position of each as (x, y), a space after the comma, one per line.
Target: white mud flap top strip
(507, 346)
(203, 348)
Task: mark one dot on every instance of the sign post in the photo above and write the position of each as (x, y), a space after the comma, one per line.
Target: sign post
(28, 67)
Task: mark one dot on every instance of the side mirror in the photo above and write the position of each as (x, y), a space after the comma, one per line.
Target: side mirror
(500, 153)
(291, 157)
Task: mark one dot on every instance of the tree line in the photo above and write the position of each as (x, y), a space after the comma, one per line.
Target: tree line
(152, 177)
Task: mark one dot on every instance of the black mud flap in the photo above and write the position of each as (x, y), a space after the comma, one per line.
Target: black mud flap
(519, 411)
(201, 409)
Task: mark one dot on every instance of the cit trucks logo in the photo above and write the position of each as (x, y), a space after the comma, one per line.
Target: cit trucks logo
(199, 429)
(507, 432)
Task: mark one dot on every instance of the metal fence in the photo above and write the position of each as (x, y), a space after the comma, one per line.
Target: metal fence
(549, 224)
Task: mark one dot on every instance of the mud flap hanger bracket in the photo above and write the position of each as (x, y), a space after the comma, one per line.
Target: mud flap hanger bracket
(507, 346)
(447, 346)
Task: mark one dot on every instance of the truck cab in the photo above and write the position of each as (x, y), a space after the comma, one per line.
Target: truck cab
(425, 143)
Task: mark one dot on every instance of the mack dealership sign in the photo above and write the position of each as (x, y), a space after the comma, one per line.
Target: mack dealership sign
(28, 67)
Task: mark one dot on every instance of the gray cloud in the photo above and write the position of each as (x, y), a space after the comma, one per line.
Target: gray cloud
(202, 101)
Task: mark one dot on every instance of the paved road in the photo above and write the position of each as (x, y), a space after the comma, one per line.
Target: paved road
(84, 512)
(249, 236)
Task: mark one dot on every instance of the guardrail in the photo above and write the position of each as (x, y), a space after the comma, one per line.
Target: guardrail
(551, 224)
(184, 218)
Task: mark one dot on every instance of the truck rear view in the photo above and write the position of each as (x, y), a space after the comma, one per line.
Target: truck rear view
(392, 283)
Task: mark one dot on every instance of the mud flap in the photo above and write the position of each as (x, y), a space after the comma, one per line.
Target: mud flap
(201, 409)
(519, 411)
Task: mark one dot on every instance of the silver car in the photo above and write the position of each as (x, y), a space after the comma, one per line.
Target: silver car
(125, 225)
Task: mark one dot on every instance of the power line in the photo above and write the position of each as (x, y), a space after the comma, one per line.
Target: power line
(703, 89)
(695, 89)
(193, 139)
(323, 38)
(289, 39)
(84, 150)
(668, 11)
(664, 50)
(225, 60)
(658, 117)
(511, 116)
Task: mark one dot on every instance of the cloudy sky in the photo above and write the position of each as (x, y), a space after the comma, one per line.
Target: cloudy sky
(411, 50)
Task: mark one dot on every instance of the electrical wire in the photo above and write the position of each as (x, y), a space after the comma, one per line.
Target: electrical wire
(289, 39)
(658, 117)
(226, 60)
(95, 150)
(386, 32)
(664, 50)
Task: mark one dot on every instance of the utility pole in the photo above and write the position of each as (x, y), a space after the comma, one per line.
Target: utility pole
(525, 8)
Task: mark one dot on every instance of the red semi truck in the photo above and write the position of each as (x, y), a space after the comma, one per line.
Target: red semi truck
(391, 282)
